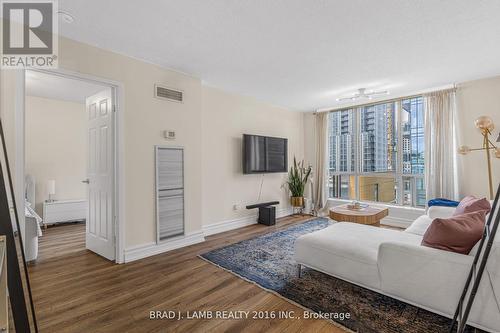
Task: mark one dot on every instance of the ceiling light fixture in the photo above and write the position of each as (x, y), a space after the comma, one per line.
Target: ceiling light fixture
(65, 16)
(362, 93)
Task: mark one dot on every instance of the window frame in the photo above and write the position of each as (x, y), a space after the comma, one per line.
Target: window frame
(397, 174)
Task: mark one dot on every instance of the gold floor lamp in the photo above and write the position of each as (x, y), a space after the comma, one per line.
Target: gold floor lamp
(485, 125)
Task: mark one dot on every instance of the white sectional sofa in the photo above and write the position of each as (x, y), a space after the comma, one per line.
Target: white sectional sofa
(394, 263)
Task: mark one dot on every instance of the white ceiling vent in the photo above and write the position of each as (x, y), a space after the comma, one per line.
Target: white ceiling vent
(163, 92)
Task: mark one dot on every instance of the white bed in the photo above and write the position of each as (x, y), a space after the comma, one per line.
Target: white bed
(32, 220)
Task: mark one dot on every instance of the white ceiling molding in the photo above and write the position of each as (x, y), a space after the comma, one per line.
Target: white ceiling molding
(300, 54)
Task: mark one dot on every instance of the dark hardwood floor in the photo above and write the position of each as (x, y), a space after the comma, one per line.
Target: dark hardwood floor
(75, 290)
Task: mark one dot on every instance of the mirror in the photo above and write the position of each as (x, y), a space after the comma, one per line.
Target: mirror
(22, 312)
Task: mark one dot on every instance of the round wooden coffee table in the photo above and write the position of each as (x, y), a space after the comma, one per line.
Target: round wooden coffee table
(368, 215)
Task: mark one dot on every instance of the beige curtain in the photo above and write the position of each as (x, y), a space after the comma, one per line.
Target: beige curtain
(441, 171)
(320, 174)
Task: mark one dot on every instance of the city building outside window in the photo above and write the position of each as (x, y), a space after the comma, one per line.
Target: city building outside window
(376, 152)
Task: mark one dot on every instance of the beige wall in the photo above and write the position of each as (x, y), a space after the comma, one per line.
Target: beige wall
(144, 118)
(474, 99)
(9, 100)
(56, 147)
(225, 118)
(7, 105)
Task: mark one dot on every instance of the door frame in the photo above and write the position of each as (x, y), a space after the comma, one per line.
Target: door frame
(117, 92)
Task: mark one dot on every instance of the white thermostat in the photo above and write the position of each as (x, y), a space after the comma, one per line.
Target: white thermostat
(169, 134)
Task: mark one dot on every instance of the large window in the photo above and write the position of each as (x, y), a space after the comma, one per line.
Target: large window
(376, 153)
(412, 127)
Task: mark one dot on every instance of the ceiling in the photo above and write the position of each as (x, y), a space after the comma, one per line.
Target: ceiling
(44, 85)
(300, 54)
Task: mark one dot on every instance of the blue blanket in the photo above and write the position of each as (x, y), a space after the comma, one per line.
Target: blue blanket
(442, 202)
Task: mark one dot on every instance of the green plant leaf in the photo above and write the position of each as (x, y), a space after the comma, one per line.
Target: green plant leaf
(298, 177)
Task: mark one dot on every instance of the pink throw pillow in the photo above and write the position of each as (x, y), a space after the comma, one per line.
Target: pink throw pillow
(456, 234)
(471, 204)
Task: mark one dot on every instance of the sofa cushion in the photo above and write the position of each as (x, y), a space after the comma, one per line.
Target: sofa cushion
(440, 211)
(456, 234)
(471, 204)
(348, 251)
(420, 225)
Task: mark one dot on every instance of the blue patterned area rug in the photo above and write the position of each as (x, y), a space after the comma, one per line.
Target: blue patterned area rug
(268, 262)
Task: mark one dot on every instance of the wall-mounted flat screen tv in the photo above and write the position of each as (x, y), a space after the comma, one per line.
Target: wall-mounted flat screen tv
(264, 154)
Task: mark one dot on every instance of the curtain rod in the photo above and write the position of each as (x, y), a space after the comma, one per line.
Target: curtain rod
(450, 87)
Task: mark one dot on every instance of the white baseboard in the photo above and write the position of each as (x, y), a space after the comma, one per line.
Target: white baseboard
(151, 249)
(218, 227)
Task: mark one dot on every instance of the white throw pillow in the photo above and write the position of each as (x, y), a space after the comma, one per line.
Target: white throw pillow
(420, 225)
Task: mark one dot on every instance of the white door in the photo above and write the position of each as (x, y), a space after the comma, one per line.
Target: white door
(99, 235)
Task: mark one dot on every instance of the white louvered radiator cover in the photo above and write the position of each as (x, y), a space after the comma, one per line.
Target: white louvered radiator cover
(169, 192)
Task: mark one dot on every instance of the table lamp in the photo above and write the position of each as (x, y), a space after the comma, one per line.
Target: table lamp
(51, 189)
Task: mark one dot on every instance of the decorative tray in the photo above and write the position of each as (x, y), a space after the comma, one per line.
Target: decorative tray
(357, 207)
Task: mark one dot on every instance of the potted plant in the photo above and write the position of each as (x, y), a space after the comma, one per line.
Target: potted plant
(296, 182)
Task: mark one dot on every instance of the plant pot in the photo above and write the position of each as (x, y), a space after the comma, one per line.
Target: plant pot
(297, 201)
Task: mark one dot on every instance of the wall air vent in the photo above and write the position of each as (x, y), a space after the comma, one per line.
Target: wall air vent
(168, 94)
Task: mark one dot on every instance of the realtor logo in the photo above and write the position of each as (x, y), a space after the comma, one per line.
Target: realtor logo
(29, 34)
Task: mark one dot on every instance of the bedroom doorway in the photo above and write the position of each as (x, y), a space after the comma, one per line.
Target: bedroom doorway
(70, 166)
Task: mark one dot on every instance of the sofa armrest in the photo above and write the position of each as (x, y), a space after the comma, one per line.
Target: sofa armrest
(423, 275)
(440, 212)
